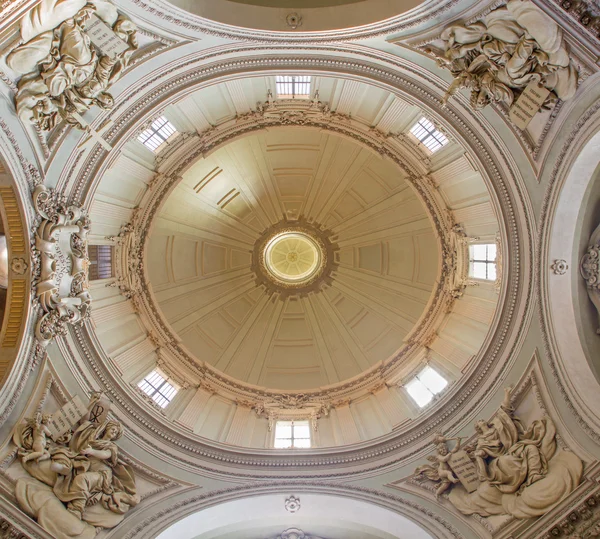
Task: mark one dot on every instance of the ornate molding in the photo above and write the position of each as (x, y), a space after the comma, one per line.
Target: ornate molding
(394, 74)
(60, 264)
(292, 504)
(590, 269)
(319, 236)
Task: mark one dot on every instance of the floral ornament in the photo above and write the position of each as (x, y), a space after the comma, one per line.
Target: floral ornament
(19, 266)
(292, 504)
(559, 267)
(590, 266)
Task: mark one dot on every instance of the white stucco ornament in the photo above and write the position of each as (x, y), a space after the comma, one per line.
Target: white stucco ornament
(292, 504)
(590, 269)
(509, 469)
(75, 482)
(497, 57)
(60, 264)
(72, 52)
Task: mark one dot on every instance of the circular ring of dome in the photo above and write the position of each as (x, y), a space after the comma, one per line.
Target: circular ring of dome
(481, 156)
(293, 258)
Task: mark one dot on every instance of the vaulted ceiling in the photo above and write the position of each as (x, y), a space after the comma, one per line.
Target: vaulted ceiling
(201, 247)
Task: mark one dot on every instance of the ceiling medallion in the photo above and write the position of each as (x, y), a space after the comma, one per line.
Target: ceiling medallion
(294, 257)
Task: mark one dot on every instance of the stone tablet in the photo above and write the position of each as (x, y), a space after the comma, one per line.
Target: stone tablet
(66, 418)
(99, 412)
(528, 104)
(103, 37)
(466, 471)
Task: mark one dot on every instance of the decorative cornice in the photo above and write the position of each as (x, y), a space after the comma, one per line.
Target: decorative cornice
(496, 165)
(133, 238)
(432, 521)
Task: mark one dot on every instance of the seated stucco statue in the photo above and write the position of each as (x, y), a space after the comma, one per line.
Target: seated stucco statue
(520, 471)
(497, 57)
(77, 482)
(64, 74)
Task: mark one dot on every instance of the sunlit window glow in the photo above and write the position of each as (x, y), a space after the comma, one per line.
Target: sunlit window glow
(157, 134)
(293, 86)
(158, 388)
(426, 385)
(292, 434)
(483, 261)
(428, 135)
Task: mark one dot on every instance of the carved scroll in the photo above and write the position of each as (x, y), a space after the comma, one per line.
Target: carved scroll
(60, 264)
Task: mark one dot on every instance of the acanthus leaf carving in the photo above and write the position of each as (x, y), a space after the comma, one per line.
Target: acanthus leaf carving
(60, 264)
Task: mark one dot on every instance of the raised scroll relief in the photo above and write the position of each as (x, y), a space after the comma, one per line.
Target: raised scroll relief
(76, 482)
(60, 264)
(513, 470)
(72, 53)
(499, 56)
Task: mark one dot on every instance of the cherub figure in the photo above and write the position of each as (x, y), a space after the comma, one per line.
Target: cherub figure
(39, 433)
(441, 470)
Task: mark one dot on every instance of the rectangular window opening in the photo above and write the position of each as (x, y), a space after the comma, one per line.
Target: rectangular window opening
(428, 135)
(292, 435)
(482, 261)
(101, 262)
(157, 386)
(425, 386)
(293, 86)
(159, 132)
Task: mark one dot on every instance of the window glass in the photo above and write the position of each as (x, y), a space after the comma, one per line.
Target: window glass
(425, 385)
(419, 392)
(157, 134)
(428, 135)
(483, 261)
(432, 380)
(156, 386)
(292, 434)
(292, 86)
(101, 266)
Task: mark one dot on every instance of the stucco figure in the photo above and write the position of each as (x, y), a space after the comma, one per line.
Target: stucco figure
(77, 482)
(441, 470)
(64, 74)
(497, 57)
(520, 471)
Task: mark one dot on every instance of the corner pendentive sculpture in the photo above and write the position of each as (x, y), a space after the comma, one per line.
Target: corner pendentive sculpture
(510, 48)
(76, 483)
(60, 264)
(507, 470)
(72, 52)
(590, 270)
